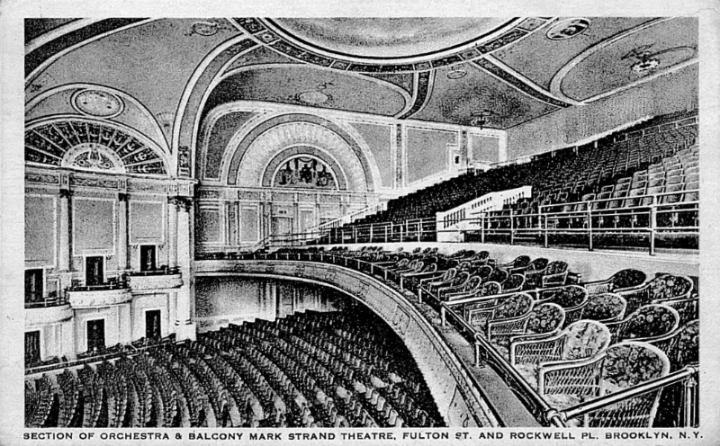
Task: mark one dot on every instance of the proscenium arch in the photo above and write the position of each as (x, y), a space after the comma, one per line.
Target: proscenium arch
(304, 150)
(231, 171)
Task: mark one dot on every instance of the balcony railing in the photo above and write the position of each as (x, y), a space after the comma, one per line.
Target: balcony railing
(653, 224)
(37, 300)
(162, 271)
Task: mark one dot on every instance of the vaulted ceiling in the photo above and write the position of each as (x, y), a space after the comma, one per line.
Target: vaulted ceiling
(448, 70)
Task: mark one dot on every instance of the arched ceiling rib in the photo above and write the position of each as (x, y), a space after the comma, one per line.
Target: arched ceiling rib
(436, 69)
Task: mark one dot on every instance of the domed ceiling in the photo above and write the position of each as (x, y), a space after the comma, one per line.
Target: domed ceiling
(447, 70)
(373, 39)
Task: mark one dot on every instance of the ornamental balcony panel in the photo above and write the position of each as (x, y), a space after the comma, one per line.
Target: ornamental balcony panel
(91, 297)
(40, 315)
(147, 282)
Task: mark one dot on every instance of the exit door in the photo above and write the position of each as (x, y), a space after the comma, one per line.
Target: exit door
(94, 271)
(152, 324)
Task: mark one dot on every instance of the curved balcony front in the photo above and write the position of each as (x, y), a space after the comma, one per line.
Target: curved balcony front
(98, 296)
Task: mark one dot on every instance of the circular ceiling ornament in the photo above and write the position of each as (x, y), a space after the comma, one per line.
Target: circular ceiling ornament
(565, 29)
(313, 97)
(97, 103)
(456, 74)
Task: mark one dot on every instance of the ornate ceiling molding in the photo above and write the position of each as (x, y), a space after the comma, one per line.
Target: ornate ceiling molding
(268, 33)
(91, 144)
(557, 80)
(501, 71)
(423, 87)
(159, 136)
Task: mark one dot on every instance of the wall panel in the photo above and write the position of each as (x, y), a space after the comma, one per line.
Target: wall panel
(94, 225)
(427, 152)
(40, 229)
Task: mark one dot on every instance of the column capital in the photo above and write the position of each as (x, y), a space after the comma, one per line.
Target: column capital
(181, 203)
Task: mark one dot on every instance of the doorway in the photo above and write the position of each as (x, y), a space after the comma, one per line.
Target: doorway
(152, 324)
(96, 334)
(32, 347)
(33, 285)
(147, 258)
(94, 270)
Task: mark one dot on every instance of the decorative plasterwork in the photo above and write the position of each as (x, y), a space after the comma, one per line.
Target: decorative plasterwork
(92, 156)
(47, 315)
(557, 81)
(268, 33)
(99, 298)
(91, 145)
(97, 103)
(505, 73)
(156, 282)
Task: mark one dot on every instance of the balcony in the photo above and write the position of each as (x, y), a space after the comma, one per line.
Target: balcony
(51, 309)
(37, 300)
(111, 293)
(158, 279)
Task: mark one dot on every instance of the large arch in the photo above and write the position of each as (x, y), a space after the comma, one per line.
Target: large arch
(315, 131)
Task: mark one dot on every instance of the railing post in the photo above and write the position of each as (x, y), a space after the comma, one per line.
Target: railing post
(342, 236)
(512, 228)
(691, 388)
(590, 233)
(653, 226)
(420, 294)
(386, 233)
(477, 353)
(442, 315)
(482, 228)
(371, 232)
(546, 229)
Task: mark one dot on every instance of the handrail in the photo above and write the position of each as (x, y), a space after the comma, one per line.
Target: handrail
(349, 218)
(639, 389)
(127, 349)
(629, 197)
(525, 390)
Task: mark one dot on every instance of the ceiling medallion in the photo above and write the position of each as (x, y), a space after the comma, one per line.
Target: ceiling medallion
(647, 61)
(317, 96)
(456, 74)
(97, 103)
(567, 28)
(205, 29)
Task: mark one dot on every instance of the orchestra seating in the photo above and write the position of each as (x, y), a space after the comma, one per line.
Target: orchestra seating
(650, 158)
(334, 369)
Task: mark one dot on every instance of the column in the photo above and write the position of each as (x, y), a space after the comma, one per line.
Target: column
(123, 263)
(172, 232)
(64, 264)
(64, 253)
(184, 327)
(399, 157)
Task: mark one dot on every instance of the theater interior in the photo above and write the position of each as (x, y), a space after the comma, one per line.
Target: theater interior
(362, 222)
